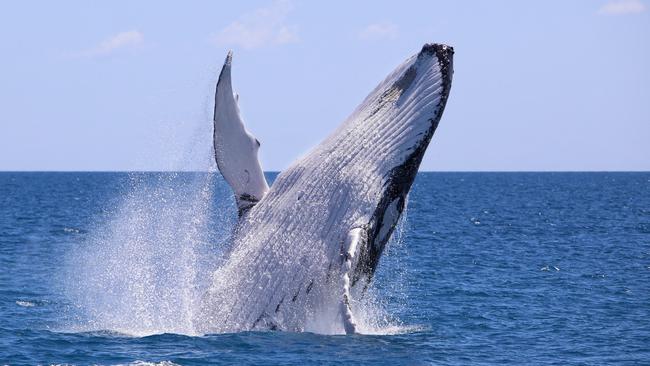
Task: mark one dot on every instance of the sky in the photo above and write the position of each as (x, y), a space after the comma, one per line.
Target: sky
(124, 85)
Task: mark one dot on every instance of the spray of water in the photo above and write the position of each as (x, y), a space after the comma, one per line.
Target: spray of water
(376, 309)
(149, 260)
(143, 271)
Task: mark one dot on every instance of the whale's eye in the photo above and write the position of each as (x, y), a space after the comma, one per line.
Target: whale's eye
(258, 142)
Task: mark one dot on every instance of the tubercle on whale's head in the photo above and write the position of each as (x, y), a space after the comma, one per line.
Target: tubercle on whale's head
(439, 49)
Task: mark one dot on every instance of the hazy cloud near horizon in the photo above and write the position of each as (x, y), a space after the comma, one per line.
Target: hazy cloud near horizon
(125, 39)
(622, 7)
(265, 26)
(379, 32)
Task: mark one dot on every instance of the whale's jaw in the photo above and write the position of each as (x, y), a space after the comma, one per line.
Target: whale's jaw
(325, 221)
(400, 177)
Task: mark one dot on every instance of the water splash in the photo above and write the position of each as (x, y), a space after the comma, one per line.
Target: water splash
(143, 271)
(145, 267)
(375, 310)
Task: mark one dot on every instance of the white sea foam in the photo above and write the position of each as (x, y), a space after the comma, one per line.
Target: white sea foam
(146, 363)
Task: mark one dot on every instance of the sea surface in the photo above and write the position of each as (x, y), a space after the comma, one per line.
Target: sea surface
(486, 269)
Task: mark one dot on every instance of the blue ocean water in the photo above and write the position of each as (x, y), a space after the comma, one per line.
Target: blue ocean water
(489, 268)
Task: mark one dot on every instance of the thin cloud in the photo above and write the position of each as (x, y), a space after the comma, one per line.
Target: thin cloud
(131, 38)
(262, 27)
(378, 32)
(622, 7)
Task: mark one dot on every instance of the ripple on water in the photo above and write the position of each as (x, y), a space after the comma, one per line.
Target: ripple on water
(26, 304)
(486, 294)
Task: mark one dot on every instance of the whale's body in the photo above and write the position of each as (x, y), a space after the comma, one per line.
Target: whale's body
(301, 246)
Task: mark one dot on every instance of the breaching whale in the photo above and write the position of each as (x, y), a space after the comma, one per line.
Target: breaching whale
(302, 247)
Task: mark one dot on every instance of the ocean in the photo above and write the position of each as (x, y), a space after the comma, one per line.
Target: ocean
(484, 269)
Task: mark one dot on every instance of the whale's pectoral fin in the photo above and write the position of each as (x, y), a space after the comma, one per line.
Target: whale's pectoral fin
(356, 238)
(235, 148)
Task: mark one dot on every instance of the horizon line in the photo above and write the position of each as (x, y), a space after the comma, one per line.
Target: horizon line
(279, 171)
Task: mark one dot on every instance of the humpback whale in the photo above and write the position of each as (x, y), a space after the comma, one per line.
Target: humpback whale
(303, 247)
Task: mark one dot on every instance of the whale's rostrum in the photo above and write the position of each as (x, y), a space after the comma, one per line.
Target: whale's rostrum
(301, 246)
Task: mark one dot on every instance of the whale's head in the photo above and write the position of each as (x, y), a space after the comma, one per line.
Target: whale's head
(401, 115)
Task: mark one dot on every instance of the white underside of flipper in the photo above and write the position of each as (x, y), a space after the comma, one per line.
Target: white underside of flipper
(235, 148)
(350, 253)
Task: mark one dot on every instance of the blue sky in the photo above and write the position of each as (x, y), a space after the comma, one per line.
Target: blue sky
(538, 85)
